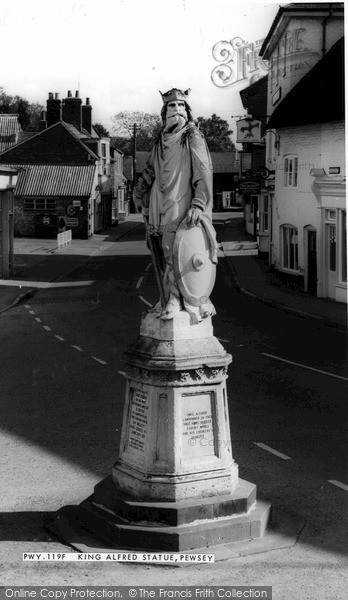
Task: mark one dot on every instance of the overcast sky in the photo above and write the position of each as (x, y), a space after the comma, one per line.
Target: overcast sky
(121, 52)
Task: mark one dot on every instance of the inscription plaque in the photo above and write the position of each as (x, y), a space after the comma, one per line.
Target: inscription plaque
(138, 420)
(198, 426)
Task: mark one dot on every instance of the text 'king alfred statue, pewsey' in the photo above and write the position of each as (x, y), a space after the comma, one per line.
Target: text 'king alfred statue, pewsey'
(175, 195)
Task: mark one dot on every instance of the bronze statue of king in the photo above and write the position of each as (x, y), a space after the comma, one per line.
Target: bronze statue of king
(175, 196)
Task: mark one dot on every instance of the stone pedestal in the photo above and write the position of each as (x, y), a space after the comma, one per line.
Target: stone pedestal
(175, 485)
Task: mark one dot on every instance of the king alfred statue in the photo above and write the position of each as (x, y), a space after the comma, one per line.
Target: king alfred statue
(175, 196)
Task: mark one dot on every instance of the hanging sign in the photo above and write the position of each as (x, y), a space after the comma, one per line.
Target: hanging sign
(248, 131)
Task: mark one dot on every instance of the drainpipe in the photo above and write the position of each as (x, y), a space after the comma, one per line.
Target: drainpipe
(324, 23)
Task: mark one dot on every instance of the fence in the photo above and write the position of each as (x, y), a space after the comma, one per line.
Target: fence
(64, 239)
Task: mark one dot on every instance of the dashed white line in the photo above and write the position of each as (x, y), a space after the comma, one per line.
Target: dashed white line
(222, 340)
(31, 312)
(59, 338)
(46, 327)
(290, 362)
(102, 362)
(26, 306)
(148, 266)
(139, 282)
(145, 301)
(122, 373)
(272, 451)
(338, 484)
(77, 348)
(38, 319)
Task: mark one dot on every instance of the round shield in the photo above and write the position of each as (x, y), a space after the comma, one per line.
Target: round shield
(194, 271)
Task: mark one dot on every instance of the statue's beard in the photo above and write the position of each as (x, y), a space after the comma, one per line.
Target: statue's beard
(175, 123)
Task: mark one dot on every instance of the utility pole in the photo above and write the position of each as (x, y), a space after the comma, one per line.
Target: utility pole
(134, 154)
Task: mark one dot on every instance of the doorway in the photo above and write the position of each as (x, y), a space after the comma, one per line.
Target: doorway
(312, 262)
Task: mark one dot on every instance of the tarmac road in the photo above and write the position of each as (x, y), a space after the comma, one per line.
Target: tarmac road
(61, 411)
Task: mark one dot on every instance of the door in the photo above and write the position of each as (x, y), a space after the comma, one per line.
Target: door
(331, 260)
(312, 262)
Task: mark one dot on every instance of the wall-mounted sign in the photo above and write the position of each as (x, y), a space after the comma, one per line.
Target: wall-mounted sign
(248, 131)
(72, 222)
(334, 170)
(77, 203)
(248, 185)
(71, 210)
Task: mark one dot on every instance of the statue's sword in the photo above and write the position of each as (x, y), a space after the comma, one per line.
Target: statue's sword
(156, 264)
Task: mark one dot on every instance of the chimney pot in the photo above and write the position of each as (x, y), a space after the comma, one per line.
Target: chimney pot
(77, 94)
(69, 94)
(50, 95)
(56, 96)
(87, 101)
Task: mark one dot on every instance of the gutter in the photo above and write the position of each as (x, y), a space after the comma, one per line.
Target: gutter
(324, 24)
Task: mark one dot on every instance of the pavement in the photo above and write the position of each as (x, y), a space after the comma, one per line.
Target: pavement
(38, 263)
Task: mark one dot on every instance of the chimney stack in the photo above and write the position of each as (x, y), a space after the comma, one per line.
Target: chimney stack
(87, 116)
(54, 109)
(72, 110)
(43, 121)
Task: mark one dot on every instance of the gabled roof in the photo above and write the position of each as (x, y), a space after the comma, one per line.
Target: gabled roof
(319, 95)
(9, 130)
(55, 180)
(69, 128)
(287, 11)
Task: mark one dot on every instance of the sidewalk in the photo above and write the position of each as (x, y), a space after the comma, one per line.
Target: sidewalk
(254, 277)
(38, 262)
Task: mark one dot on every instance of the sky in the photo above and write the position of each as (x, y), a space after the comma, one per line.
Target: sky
(119, 53)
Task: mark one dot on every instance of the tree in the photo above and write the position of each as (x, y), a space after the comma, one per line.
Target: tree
(217, 133)
(29, 114)
(101, 131)
(148, 128)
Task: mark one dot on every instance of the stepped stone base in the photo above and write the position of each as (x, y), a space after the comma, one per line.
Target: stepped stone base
(174, 485)
(117, 521)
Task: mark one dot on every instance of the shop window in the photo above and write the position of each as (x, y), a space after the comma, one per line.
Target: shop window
(38, 204)
(264, 213)
(332, 247)
(344, 247)
(289, 236)
(290, 171)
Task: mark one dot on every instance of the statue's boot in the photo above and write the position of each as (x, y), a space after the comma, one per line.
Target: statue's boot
(172, 308)
(207, 310)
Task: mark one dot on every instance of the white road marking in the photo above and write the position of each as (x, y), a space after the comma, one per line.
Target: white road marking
(290, 362)
(269, 449)
(145, 301)
(148, 266)
(77, 348)
(31, 312)
(139, 282)
(102, 362)
(122, 373)
(26, 306)
(60, 338)
(46, 327)
(38, 319)
(343, 486)
(222, 340)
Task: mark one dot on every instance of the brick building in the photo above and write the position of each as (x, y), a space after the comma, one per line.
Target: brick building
(66, 173)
